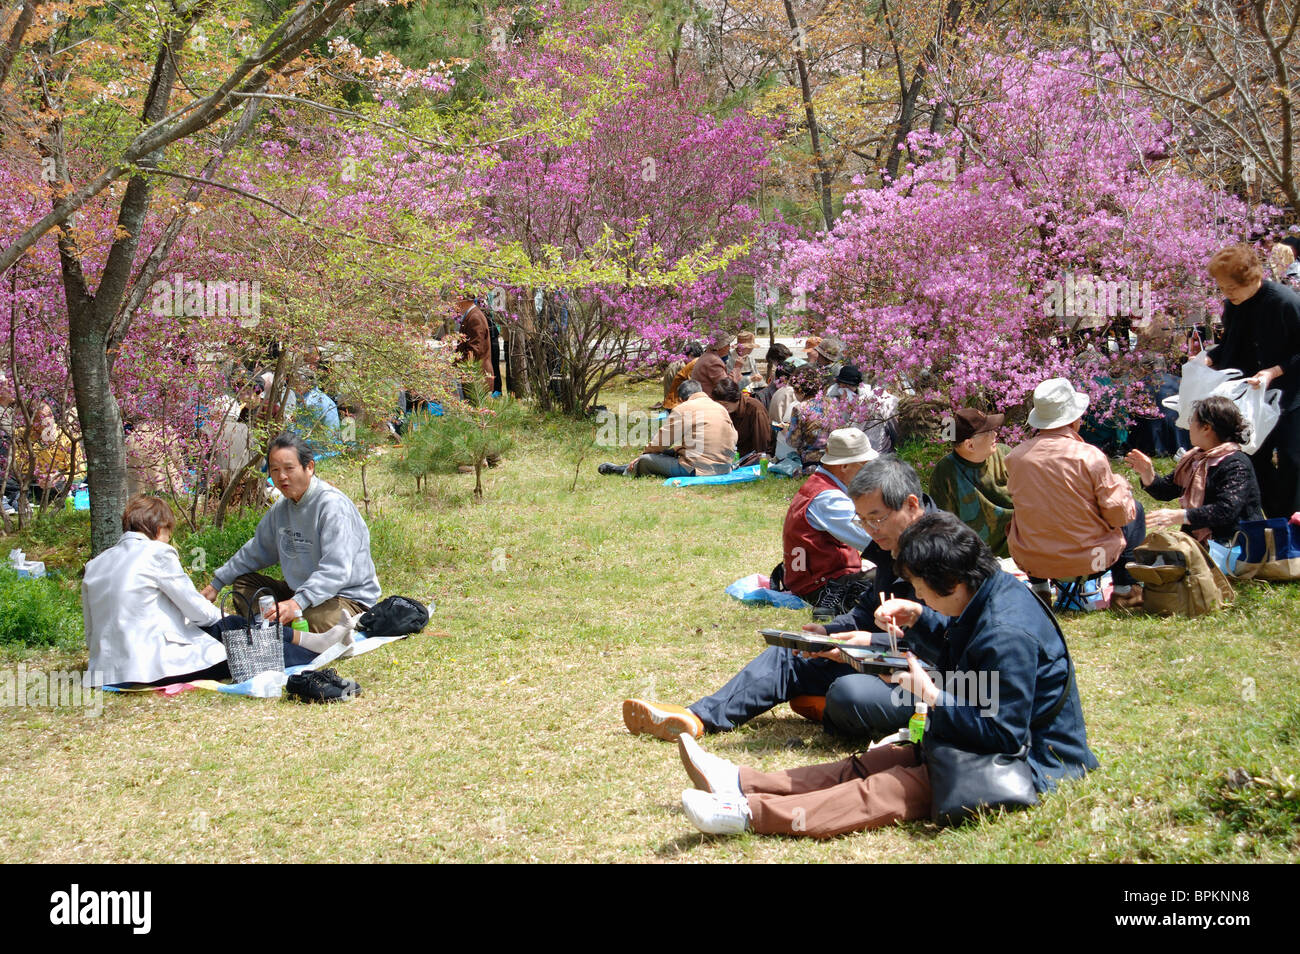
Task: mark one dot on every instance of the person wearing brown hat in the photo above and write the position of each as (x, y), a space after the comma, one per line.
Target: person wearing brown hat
(743, 359)
(711, 367)
(972, 481)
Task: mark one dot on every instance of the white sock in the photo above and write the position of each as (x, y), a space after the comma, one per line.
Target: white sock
(319, 642)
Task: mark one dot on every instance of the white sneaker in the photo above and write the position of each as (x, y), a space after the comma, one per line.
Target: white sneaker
(716, 814)
(711, 773)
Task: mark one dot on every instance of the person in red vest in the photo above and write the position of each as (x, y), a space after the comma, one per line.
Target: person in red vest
(887, 495)
(822, 540)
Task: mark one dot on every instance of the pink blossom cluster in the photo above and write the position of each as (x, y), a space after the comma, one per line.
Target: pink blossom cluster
(937, 281)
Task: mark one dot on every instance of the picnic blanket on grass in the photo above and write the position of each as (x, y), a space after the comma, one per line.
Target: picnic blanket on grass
(269, 685)
(741, 475)
(756, 589)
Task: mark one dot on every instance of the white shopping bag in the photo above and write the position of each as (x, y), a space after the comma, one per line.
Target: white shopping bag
(1198, 381)
(1260, 409)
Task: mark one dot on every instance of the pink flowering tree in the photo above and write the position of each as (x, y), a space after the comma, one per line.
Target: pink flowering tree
(637, 218)
(1022, 245)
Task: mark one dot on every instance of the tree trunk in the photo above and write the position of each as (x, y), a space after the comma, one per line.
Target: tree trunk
(101, 433)
(910, 92)
(822, 177)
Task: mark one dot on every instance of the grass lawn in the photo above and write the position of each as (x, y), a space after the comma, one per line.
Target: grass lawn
(497, 735)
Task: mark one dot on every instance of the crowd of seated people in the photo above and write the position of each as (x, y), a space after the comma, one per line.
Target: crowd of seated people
(862, 543)
(927, 565)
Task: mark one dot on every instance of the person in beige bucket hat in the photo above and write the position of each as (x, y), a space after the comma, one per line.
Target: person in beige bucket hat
(848, 445)
(1074, 516)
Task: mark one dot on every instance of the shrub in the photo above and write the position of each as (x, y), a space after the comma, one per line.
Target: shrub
(467, 434)
(43, 612)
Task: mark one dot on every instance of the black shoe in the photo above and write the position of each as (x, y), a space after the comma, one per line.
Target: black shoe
(830, 603)
(321, 686)
(611, 469)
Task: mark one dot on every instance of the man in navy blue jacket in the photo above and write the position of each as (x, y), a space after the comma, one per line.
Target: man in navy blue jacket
(888, 498)
(1006, 681)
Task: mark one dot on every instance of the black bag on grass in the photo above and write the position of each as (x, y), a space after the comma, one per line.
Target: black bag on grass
(395, 616)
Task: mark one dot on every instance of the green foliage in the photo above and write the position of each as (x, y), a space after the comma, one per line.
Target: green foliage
(923, 453)
(43, 612)
(203, 550)
(467, 435)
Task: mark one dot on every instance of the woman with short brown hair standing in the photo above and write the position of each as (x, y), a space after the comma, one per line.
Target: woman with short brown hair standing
(1261, 338)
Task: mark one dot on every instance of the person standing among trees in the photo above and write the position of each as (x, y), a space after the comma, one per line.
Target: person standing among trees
(474, 352)
(1261, 338)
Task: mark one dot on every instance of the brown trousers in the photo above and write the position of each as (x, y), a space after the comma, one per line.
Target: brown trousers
(321, 617)
(879, 787)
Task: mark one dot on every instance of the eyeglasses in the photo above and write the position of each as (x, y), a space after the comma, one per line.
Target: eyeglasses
(874, 523)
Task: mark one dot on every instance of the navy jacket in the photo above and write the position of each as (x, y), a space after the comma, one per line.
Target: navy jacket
(1006, 631)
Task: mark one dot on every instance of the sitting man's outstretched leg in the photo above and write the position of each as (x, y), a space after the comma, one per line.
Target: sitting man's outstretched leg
(775, 676)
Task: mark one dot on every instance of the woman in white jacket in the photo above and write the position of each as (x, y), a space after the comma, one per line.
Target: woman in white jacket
(145, 621)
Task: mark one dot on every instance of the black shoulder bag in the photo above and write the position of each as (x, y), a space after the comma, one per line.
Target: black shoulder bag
(964, 783)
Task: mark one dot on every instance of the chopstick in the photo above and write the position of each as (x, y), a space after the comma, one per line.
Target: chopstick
(892, 629)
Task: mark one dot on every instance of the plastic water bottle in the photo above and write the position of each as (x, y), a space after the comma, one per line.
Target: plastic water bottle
(266, 604)
(299, 623)
(762, 466)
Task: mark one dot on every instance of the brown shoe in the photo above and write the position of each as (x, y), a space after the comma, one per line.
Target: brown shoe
(1132, 600)
(660, 719)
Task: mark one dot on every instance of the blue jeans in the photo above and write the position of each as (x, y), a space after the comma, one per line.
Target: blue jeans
(861, 704)
(854, 706)
(665, 465)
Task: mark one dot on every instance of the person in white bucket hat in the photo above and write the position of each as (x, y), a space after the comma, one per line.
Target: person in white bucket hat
(821, 538)
(1073, 516)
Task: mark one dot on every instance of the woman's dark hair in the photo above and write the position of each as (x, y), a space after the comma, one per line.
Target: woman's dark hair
(782, 371)
(147, 515)
(942, 551)
(1221, 416)
(778, 353)
(726, 390)
(292, 441)
(694, 349)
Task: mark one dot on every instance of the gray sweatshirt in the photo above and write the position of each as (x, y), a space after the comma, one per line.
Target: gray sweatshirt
(321, 544)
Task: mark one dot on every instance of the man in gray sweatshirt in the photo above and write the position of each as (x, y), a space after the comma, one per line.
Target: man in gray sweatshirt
(320, 541)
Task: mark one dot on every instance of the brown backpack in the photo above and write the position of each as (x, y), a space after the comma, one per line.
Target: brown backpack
(1177, 575)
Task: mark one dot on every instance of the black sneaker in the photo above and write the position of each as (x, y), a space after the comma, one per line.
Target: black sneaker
(322, 685)
(611, 469)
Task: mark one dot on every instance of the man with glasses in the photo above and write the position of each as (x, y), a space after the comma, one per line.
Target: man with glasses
(888, 498)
